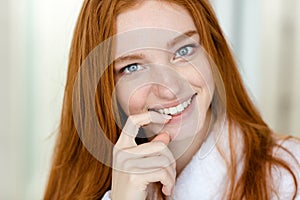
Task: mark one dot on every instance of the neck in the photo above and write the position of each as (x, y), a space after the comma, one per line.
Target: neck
(191, 145)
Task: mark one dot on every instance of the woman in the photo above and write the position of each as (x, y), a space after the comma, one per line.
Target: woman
(172, 101)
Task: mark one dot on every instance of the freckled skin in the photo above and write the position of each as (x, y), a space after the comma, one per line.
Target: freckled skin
(172, 82)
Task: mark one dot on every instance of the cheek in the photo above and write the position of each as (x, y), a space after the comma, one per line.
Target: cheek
(132, 102)
(201, 77)
(137, 103)
(200, 72)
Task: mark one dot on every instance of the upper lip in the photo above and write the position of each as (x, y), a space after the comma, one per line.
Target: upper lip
(171, 104)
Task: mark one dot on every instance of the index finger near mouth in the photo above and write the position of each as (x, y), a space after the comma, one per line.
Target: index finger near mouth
(133, 124)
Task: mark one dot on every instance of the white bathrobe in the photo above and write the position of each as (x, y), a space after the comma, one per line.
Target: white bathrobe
(205, 177)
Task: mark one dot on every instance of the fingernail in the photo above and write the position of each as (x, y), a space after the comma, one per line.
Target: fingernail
(166, 191)
(162, 137)
(167, 116)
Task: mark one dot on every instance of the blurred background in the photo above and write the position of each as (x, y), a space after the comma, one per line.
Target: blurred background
(34, 43)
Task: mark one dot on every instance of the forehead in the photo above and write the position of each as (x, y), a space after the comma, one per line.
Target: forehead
(157, 15)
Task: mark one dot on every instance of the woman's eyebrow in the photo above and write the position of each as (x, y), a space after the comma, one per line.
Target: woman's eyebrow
(129, 58)
(140, 56)
(181, 37)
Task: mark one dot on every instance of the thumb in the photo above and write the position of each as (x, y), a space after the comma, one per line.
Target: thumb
(162, 137)
(133, 124)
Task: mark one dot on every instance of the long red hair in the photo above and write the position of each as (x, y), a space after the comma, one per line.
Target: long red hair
(76, 174)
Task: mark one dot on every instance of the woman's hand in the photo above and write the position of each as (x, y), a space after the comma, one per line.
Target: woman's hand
(135, 166)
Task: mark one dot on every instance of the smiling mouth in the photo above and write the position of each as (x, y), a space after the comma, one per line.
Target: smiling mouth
(176, 110)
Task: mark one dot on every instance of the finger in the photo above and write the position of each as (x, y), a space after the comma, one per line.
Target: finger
(141, 151)
(148, 149)
(150, 164)
(134, 122)
(165, 178)
(130, 159)
(167, 190)
(158, 118)
(162, 137)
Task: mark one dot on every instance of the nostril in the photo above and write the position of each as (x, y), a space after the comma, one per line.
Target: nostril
(164, 92)
(168, 81)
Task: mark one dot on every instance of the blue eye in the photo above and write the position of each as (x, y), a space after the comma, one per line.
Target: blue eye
(132, 68)
(185, 51)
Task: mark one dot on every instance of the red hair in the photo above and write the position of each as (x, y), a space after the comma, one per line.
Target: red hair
(76, 174)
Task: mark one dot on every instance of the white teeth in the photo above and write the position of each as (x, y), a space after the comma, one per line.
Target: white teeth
(180, 107)
(185, 104)
(175, 110)
(166, 110)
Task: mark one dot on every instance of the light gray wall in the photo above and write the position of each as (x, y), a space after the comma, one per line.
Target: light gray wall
(34, 43)
(280, 64)
(264, 36)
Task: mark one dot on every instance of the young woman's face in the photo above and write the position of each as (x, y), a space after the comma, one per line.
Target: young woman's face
(160, 67)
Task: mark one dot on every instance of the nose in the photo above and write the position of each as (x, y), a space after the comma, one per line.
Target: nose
(166, 82)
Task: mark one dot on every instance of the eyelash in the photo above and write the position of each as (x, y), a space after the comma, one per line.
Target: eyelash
(192, 49)
(125, 69)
